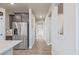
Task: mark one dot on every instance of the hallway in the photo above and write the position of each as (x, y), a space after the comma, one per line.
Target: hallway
(39, 48)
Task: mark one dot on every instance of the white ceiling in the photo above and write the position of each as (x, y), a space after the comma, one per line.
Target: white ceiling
(38, 8)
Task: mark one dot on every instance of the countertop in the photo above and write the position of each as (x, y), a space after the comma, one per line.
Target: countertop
(7, 44)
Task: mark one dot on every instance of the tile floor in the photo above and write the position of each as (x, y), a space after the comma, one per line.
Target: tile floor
(39, 48)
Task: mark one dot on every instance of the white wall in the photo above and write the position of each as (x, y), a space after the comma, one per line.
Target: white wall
(69, 29)
(66, 44)
(48, 27)
(31, 29)
(47, 30)
(54, 31)
(77, 28)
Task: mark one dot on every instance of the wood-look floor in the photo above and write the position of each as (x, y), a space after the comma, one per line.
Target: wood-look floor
(39, 48)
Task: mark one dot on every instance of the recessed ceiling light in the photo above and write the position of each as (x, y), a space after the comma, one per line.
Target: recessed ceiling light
(12, 3)
(40, 16)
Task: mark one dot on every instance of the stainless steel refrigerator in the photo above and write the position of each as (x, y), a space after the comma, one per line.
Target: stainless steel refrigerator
(20, 33)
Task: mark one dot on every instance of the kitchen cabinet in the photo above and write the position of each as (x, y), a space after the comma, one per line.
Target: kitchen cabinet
(2, 24)
(8, 37)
